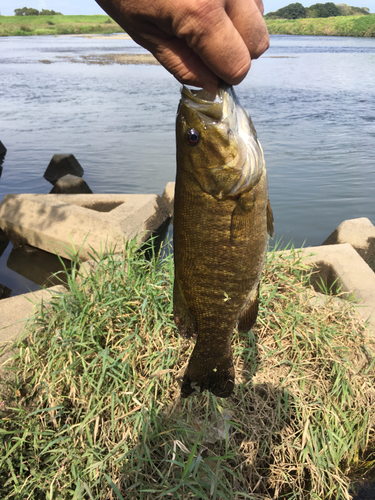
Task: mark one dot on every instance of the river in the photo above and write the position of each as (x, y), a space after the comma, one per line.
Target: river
(312, 101)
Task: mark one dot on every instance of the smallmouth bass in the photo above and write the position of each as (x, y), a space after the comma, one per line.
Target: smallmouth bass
(221, 218)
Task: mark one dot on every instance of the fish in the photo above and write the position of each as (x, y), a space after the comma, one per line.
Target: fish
(222, 215)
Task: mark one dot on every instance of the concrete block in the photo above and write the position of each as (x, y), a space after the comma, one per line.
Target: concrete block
(4, 292)
(15, 312)
(70, 184)
(90, 222)
(342, 264)
(168, 197)
(360, 233)
(4, 241)
(61, 165)
(3, 149)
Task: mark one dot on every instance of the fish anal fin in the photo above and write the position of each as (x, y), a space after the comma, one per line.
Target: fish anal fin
(249, 315)
(270, 225)
(184, 319)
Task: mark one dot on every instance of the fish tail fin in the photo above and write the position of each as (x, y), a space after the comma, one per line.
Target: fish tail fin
(215, 374)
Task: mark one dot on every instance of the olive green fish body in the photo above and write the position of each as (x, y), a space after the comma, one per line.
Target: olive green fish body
(220, 240)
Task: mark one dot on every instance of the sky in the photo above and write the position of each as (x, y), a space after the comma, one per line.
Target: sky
(91, 7)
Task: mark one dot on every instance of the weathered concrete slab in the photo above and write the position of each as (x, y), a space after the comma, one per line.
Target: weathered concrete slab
(360, 233)
(342, 263)
(60, 165)
(56, 222)
(71, 184)
(15, 312)
(168, 197)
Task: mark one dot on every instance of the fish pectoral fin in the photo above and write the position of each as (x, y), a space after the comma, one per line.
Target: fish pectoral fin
(249, 315)
(239, 221)
(270, 226)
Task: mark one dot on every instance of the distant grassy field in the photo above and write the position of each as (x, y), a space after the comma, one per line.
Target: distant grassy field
(363, 26)
(56, 25)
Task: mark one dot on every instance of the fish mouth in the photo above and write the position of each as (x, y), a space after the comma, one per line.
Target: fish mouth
(209, 107)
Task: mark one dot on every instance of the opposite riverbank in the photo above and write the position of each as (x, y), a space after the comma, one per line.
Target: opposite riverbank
(57, 25)
(361, 26)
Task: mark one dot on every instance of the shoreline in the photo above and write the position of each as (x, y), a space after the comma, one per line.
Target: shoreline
(100, 25)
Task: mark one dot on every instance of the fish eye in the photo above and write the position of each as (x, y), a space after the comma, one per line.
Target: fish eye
(192, 137)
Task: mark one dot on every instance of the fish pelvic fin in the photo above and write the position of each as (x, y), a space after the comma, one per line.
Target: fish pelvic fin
(213, 374)
(249, 315)
(184, 319)
(270, 225)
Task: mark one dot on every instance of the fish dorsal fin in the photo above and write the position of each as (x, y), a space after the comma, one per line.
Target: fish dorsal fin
(270, 226)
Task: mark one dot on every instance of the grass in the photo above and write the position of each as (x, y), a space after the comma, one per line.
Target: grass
(363, 26)
(93, 408)
(57, 25)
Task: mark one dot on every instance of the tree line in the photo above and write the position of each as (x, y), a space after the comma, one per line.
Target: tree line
(329, 9)
(26, 11)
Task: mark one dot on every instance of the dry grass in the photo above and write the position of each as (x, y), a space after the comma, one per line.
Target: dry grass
(95, 411)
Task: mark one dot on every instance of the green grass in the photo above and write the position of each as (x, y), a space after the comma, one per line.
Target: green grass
(56, 25)
(93, 407)
(363, 26)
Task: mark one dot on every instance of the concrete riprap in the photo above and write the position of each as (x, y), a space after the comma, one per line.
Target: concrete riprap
(15, 312)
(168, 197)
(82, 224)
(71, 184)
(341, 266)
(60, 165)
(360, 233)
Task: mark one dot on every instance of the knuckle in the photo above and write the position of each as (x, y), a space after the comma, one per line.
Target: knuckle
(196, 19)
(238, 72)
(261, 47)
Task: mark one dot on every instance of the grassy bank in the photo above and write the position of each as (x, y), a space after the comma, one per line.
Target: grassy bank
(56, 25)
(363, 26)
(65, 25)
(94, 411)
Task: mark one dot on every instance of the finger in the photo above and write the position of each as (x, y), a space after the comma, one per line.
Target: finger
(210, 32)
(246, 16)
(180, 60)
(260, 6)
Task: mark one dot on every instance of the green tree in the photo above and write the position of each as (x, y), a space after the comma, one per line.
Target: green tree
(26, 11)
(328, 9)
(346, 10)
(45, 12)
(291, 11)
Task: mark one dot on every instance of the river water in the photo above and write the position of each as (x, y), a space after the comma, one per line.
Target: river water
(312, 100)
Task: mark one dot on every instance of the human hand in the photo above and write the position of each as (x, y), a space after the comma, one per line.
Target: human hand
(198, 41)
